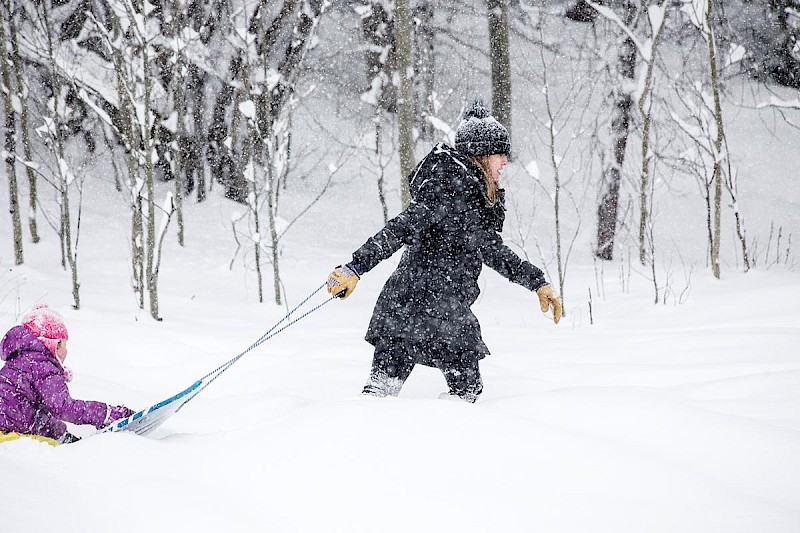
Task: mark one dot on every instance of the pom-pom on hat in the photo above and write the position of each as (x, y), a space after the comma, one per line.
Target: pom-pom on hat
(480, 134)
(47, 325)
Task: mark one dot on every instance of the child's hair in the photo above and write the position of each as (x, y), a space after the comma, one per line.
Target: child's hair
(491, 186)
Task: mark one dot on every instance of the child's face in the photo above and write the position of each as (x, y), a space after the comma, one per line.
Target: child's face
(61, 350)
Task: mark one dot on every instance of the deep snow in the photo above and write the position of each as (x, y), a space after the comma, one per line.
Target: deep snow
(656, 418)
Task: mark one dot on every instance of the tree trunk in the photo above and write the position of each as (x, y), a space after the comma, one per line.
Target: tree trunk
(620, 121)
(179, 165)
(272, 208)
(717, 183)
(10, 145)
(380, 56)
(131, 138)
(137, 245)
(22, 94)
(382, 173)
(180, 173)
(405, 100)
(645, 105)
(149, 146)
(199, 138)
(551, 132)
(501, 63)
(254, 198)
(425, 67)
(68, 244)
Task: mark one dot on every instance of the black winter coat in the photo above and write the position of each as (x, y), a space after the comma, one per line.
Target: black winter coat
(449, 233)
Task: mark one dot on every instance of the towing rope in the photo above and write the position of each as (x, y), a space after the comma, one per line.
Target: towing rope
(217, 372)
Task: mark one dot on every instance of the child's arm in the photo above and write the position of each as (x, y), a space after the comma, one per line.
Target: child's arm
(55, 394)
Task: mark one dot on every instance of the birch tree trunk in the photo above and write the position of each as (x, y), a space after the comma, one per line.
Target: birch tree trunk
(180, 133)
(10, 145)
(149, 147)
(272, 207)
(501, 63)
(22, 94)
(717, 180)
(645, 107)
(179, 103)
(199, 137)
(405, 100)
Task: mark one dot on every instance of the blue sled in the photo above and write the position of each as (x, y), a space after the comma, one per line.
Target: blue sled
(151, 418)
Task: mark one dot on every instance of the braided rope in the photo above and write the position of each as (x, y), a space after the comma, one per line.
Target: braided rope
(217, 372)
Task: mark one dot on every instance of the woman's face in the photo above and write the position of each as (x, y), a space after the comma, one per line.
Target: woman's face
(496, 164)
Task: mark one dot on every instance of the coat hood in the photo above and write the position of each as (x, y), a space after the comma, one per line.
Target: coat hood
(20, 339)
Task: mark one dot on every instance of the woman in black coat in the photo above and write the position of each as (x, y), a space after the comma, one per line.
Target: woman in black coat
(450, 229)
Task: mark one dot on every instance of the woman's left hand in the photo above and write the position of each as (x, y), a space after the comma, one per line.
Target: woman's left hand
(548, 299)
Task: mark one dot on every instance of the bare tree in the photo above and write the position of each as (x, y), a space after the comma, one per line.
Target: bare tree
(657, 16)
(10, 146)
(424, 66)
(708, 32)
(501, 62)
(405, 100)
(646, 47)
(620, 122)
(701, 14)
(380, 54)
(554, 161)
(53, 131)
(22, 95)
(129, 42)
(177, 90)
(265, 70)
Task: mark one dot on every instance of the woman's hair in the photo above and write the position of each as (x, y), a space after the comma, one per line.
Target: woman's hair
(491, 186)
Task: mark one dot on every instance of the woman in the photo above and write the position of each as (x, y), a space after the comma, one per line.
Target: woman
(450, 229)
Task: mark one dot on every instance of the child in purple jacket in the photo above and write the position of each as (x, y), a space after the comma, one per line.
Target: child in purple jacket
(34, 398)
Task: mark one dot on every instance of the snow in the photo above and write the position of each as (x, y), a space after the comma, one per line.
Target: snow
(696, 11)
(248, 109)
(736, 53)
(656, 16)
(442, 127)
(609, 14)
(532, 168)
(655, 418)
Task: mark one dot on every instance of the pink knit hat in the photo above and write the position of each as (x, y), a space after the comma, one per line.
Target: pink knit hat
(47, 325)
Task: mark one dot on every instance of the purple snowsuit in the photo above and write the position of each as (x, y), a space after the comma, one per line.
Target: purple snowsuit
(34, 398)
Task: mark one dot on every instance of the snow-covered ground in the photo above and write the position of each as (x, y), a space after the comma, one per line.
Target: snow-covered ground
(654, 418)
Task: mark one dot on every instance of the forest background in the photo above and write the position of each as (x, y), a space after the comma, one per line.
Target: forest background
(626, 120)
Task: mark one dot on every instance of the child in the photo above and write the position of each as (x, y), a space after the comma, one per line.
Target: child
(34, 398)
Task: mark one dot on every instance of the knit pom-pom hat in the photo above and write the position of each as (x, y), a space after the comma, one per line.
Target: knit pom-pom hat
(47, 325)
(480, 134)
